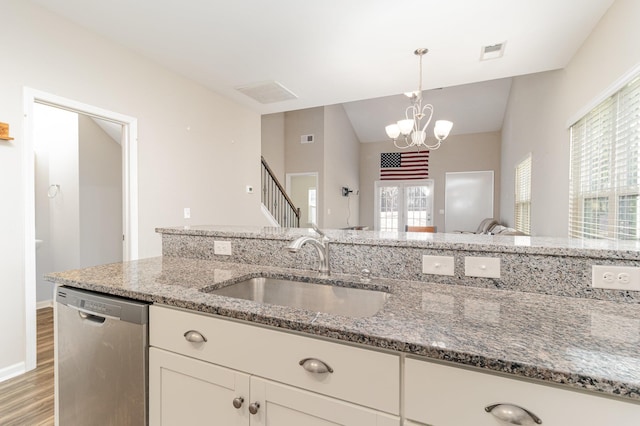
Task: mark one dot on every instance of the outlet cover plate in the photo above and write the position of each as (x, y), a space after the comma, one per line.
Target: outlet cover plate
(486, 267)
(438, 265)
(615, 277)
(222, 248)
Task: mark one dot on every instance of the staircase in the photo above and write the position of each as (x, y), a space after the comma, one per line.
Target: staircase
(276, 200)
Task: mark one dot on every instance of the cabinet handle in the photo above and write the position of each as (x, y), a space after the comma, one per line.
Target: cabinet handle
(237, 402)
(253, 407)
(512, 414)
(313, 365)
(194, 337)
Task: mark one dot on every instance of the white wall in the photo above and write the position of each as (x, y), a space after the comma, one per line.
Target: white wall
(100, 185)
(195, 148)
(56, 136)
(540, 105)
(341, 169)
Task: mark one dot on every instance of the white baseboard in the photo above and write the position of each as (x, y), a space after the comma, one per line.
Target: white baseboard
(44, 304)
(12, 371)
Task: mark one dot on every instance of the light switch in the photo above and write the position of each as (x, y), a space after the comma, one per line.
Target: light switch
(487, 267)
(437, 265)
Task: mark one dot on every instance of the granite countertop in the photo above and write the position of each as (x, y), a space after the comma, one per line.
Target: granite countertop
(551, 246)
(586, 344)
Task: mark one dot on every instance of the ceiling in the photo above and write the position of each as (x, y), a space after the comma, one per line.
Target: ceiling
(340, 51)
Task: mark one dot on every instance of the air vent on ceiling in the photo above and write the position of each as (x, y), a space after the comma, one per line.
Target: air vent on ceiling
(267, 92)
(493, 51)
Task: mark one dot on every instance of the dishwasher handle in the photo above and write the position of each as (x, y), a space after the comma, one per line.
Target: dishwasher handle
(91, 317)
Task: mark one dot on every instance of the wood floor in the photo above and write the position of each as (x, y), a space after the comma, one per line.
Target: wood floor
(27, 400)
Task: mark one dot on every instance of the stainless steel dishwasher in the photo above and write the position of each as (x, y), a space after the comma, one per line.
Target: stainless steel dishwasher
(101, 359)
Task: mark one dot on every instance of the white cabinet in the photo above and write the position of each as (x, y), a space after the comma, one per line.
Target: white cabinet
(185, 391)
(442, 395)
(199, 381)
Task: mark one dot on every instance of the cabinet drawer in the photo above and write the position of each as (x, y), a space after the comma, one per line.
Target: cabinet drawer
(366, 377)
(441, 395)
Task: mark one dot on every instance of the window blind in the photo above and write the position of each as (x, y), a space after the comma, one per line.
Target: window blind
(604, 185)
(523, 196)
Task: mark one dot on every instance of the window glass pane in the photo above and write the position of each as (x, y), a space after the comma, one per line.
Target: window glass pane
(628, 217)
(312, 206)
(596, 217)
(418, 205)
(388, 209)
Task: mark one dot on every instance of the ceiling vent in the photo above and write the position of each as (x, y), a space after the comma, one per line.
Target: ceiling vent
(267, 92)
(494, 51)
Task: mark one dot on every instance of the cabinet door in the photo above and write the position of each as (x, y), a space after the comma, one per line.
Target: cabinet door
(185, 391)
(283, 405)
(442, 395)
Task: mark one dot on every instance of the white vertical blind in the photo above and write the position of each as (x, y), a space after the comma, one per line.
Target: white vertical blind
(604, 185)
(523, 196)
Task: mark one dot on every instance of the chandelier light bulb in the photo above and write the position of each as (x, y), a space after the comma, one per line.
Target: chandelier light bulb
(442, 129)
(393, 131)
(406, 126)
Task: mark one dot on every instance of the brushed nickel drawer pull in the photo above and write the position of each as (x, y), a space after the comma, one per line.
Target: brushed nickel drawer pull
(253, 408)
(194, 337)
(512, 414)
(313, 365)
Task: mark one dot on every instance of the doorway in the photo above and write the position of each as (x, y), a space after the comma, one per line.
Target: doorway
(303, 191)
(127, 194)
(78, 193)
(403, 203)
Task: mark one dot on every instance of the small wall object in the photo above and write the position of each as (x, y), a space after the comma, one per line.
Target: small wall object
(4, 132)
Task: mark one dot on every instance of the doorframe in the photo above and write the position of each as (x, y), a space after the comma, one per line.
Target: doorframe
(287, 188)
(129, 195)
(402, 217)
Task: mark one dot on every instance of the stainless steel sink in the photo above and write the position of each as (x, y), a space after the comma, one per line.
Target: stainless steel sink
(346, 301)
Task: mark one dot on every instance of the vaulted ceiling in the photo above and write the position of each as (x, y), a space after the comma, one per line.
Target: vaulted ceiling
(340, 51)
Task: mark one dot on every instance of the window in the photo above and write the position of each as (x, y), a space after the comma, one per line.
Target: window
(523, 196)
(402, 203)
(311, 198)
(604, 168)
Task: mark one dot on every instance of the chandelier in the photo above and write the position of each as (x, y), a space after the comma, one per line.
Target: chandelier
(414, 134)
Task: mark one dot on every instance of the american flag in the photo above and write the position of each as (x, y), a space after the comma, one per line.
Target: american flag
(404, 165)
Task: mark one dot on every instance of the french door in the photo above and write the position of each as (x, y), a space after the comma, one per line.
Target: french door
(403, 203)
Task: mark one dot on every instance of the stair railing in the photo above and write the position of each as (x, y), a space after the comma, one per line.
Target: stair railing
(275, 198)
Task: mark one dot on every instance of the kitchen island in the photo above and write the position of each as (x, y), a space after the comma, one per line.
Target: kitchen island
(537, 334)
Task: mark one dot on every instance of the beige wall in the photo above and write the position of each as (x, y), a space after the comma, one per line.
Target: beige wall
(473, 152)
(195, 148)
(100, 183)
(540, 106)
(341, 168)
(308, 157)
(272, 143)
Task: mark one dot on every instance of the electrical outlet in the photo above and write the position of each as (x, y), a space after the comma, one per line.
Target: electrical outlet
(187, 213)
(437, 265)
(487, 267)
(615, 277)
(222, 248)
